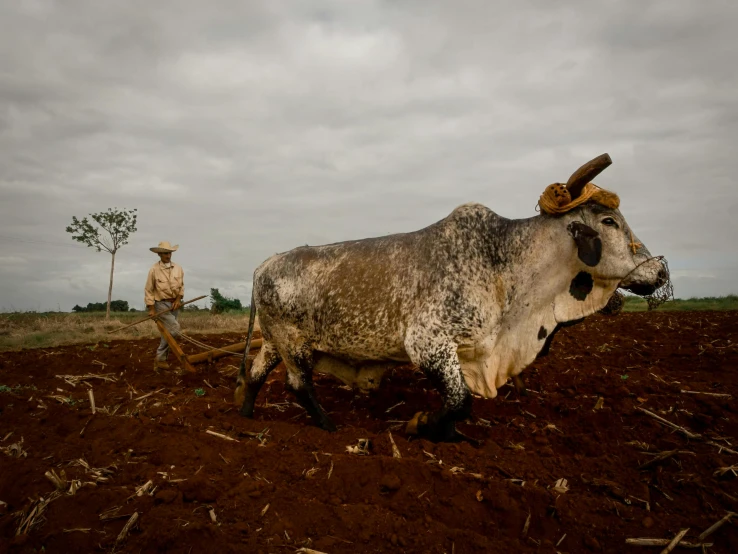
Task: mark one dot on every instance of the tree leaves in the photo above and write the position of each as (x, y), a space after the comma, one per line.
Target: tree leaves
(118, 225)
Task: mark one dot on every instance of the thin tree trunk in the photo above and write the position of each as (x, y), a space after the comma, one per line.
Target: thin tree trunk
(110, 289)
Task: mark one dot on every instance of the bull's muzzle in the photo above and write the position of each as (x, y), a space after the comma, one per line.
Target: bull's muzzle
(647, 277)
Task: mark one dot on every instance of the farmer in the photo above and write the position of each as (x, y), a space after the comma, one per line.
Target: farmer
(164, 289)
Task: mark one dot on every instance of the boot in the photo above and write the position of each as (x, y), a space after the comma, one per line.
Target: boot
(160, 364)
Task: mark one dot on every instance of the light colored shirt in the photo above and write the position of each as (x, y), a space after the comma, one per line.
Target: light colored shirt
(165, 281)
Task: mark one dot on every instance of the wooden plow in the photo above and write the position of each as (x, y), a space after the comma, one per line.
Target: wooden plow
(212, 353)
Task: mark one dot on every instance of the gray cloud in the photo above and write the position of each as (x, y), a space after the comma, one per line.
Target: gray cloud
(239, 129)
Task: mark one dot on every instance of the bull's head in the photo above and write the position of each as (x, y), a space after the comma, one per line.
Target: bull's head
(604, 240)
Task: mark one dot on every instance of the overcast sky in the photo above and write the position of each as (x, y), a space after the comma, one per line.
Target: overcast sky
(240, 129)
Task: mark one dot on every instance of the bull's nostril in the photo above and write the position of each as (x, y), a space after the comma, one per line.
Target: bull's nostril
(661, 278)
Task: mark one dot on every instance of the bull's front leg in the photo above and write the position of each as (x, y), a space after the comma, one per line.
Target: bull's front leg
(519, 385)
(440, 364)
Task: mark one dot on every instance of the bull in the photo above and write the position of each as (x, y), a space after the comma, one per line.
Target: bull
(471, 300)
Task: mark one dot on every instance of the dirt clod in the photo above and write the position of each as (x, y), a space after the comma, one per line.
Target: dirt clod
(592, 543)
(391, 482)
(166, 496)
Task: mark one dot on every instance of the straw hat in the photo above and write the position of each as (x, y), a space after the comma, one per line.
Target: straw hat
(164, 246)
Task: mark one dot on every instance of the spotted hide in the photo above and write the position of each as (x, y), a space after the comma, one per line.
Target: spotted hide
(471, 300)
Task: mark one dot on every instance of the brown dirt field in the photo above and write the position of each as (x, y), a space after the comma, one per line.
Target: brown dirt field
(295, 486)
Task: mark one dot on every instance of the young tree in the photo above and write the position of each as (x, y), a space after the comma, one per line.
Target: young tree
(118, 225)
(220, 303)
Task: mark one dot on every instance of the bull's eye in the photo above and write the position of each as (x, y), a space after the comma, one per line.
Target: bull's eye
(609, 222)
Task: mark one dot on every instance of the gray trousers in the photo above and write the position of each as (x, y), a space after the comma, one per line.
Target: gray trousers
(169, 320)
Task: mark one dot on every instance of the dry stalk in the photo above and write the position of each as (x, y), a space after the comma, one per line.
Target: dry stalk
(665, 542)
(111, 514)
(395, 450)
(393, 407)
(664, 456)
(675, 541)
(723, 470)
(264, 510)
(686, 432)
(143, 489)
(82, 432)
(92, 400)
(526, 526)
(553, 427)
(35, 515)
(658, 378)
(127, 527)
(75, 485)
(219, 435)
(710, 530)
(147, 395)
(74, 380)
(640, 444)
(721, 447)
(14, 450)
(98, 474)
(59, 481)
(212, 516)
(304, 550)
(62, 399)
(330, 471)
(561, 486)
(718, 394)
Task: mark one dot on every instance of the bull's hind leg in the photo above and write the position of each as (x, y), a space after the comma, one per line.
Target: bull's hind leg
(441, 365)
(300, 363)
(247, 389)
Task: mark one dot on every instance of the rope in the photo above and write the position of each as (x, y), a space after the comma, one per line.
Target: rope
(196, 342)
(203, 345)
(556, 199)
(665, 292)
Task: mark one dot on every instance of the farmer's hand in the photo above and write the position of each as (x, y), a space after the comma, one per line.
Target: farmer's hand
(152, 310)
(175, 305)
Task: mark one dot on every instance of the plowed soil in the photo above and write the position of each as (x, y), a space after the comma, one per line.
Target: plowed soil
(282, 484)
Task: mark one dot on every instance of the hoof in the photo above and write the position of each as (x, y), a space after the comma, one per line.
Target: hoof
(239, 395)
(415, 425)
(420, 427)
(519, 385)
(458, 436)
(329, 426)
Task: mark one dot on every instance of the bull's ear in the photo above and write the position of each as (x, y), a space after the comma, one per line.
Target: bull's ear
(589, 244)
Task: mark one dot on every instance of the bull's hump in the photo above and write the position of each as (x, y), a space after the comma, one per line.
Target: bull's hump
(471, 207)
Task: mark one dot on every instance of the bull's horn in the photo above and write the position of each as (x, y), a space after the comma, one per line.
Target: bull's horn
(586, 173)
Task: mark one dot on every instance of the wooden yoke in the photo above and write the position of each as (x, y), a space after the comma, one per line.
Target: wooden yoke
(174, 346)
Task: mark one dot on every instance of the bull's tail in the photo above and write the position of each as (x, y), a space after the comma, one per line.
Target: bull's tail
(250, 334)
